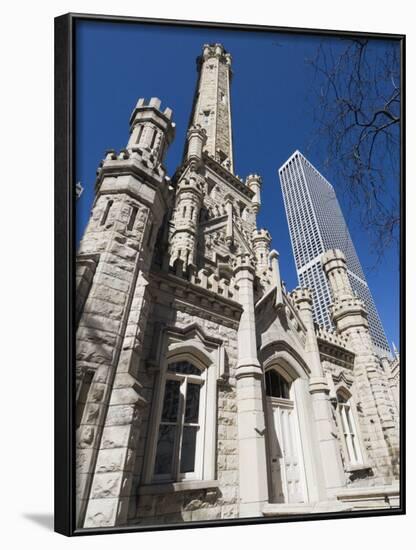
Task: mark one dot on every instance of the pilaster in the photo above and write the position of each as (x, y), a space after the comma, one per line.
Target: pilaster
(333, 472)
(251, 414)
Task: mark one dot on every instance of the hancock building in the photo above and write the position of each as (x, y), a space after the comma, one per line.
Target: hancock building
(204, 389)
(316, 224)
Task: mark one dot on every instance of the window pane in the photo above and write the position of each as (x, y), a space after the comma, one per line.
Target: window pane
(184, 367)
(188, 449)
(192, 403)
(276, 385)
(171, 401)
(164, 453)
(348, 415)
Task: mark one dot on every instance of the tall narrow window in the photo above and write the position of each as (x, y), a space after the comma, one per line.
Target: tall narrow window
(106, 212)
(83, 391)
(349, 431)
(133, 215)
(152, 143)
(150, 235)
(179, 444)
(139, 135)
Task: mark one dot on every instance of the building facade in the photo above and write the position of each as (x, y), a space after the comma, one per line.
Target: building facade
(204, 389)
(316, 224)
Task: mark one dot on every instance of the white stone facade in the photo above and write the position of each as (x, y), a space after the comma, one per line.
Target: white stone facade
(205, 390)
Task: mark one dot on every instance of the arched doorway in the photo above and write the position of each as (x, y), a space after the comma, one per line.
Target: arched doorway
(286, 458)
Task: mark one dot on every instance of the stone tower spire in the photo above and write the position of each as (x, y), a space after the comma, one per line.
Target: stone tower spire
(212, 107)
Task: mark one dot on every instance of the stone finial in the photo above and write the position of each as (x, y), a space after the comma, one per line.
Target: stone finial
(216, 50)
(274, 263)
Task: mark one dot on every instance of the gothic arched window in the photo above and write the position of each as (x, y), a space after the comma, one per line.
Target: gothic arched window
(180, 435)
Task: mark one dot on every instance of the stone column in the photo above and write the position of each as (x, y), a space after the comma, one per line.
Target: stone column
(330, 453)
(251, 414)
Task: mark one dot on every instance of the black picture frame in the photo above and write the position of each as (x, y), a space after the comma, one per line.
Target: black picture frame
(65, 109)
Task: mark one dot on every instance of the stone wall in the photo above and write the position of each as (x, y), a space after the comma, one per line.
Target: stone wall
(198, 504)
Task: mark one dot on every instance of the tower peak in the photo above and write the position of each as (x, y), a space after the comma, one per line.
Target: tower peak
(212, 106)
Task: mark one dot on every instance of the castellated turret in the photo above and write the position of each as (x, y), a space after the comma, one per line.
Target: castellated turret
(151, 129)
(133, 194)
(261, 244)
(253, 182)
(347, 310)
(188, 201)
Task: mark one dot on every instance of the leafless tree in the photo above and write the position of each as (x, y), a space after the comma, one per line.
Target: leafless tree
(358, 114)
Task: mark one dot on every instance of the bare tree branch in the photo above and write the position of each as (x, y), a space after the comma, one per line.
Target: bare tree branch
(358, 119)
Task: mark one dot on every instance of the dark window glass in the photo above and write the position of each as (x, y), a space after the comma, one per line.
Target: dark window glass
(106, 212)
(83, 396)
(171, 401)
(132, 219)
(192, 403)
(276, 385)
(183, 367)
(165, 446)
(188, 448)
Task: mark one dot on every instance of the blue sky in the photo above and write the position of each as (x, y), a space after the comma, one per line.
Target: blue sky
(272, 102)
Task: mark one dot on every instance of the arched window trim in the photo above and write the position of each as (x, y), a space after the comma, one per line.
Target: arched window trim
(205, 453)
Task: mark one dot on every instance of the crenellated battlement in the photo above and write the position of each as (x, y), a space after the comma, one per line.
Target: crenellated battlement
(244, 261)
(261, 236)
(253, 179)
(301, 294)
(190, 183)
(331, 337)
(153, 104)
(135, 161)
(217, 51)
(348, 304)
